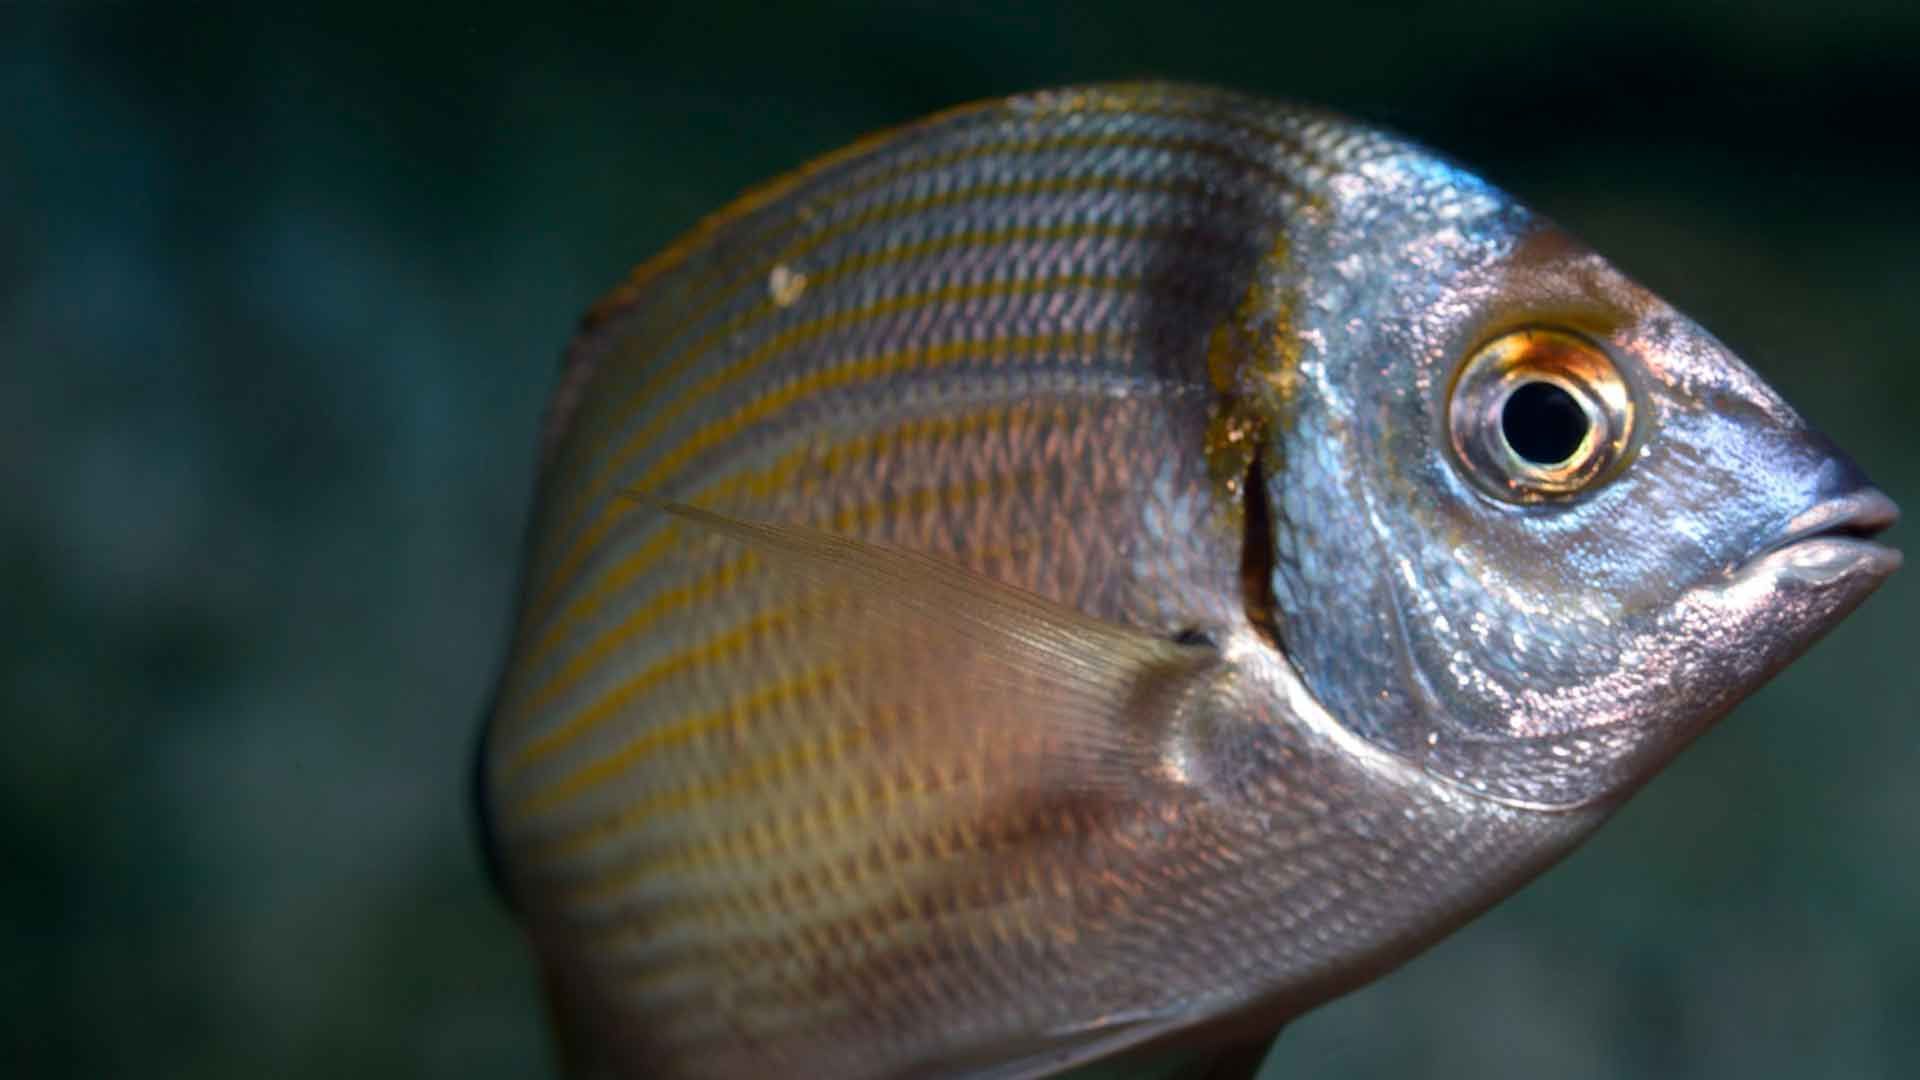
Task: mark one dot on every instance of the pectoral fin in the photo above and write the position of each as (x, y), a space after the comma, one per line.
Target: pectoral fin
(1099, 690)
(1056, 708)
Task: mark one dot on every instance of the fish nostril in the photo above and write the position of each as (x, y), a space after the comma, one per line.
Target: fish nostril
(1838, 476)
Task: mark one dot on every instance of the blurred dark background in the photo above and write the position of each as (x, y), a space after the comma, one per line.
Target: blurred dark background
(281, 295)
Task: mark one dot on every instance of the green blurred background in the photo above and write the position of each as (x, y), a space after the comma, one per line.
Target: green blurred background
(280, 297)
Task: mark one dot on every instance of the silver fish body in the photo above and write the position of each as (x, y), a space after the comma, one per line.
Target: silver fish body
(1070, 573)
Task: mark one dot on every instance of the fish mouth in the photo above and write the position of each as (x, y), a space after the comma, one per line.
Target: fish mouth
(1834, 540)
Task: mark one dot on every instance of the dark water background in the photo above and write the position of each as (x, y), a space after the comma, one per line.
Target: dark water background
(280, 297)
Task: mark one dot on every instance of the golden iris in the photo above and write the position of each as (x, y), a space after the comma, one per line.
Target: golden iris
(1539, 414)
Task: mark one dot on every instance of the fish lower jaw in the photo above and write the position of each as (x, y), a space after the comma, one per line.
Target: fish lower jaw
(1823, 560)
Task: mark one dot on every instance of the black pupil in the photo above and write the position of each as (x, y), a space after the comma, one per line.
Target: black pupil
(1543, 423)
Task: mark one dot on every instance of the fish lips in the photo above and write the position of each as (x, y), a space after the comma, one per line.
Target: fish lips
(1832, 544)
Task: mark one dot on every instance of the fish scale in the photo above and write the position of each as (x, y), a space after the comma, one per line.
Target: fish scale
(1162, 190)
(965, 630)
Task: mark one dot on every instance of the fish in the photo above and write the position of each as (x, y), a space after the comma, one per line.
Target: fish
(1108, 570)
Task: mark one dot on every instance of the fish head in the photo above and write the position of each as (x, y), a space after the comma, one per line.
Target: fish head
(1533, 528)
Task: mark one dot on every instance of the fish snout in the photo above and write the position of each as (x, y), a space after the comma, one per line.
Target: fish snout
(1835, 536)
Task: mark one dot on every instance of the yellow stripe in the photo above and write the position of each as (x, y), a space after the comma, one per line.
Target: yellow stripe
(719, 297)
(828, 745)
(851, 870)
(834, 811)
(1061, 232)
(859, 895)
(764, 195)
(818, 382)
(1033, 144)
(599, 771)
(712, 650)
(1143, 100)
(623, 696)
(875, 366)
(982, 237)
(619, 576)
(714, 295)
(763, 769)
(811, 382)
(1139, 99)
(673, 599)
(708, 283)
(622, 574)
(663, 372)
(756, 485)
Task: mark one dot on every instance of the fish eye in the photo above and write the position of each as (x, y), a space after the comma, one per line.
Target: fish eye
(1543, 423)
(1539, 415)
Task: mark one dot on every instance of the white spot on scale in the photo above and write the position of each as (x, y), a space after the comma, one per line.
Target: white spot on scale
(784, 285)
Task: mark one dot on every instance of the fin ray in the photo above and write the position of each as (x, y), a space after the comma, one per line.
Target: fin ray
(1096, 684)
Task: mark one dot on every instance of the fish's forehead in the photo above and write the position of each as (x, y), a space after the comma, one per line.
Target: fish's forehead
(1394, 229)
(1377, 175)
